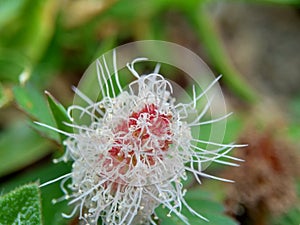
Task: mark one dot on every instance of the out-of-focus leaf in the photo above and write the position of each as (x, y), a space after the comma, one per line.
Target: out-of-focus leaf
(40, 28)
(15, 68)
(21, 206)
(281, 2)
(289, 218)
(208, 35)
(294, 131)
(31, 31)
(105, 46)
(10, 10)
(60, 115)
(48, 171)
(202, 202)
(19, 147)
(123, 9)
(294, 127)
(32, 102)
(294, 107)
(5, 96)
(235, 125)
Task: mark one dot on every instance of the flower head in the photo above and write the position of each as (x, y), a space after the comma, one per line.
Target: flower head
(134, 154)
(270, 187)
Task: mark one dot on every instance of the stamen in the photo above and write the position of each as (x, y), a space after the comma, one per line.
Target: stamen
(55, 180)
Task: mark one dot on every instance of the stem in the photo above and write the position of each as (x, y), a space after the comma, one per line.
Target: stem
(208, 34)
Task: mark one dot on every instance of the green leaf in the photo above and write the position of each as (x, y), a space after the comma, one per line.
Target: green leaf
(202, 202)
(51, 214)
(21, 206)
(32, 102)
(290, 218)
(15, 68)
(60, 115)
(5, 96)
(30, 30)
(294, 118)
(10, 10)
(20, 146)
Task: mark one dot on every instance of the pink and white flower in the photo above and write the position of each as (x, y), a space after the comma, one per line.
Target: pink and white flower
(136, 152)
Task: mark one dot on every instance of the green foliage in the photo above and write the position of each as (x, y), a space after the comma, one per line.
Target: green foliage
(290, 218)
(208, 34)
(201, 201)
(15, 68)
(4, 96)
(51, 214)
(10, 10)
(19, 147)
(294, 127)
(59, 114)
(21, 206)
(33, 103)
(27, 26)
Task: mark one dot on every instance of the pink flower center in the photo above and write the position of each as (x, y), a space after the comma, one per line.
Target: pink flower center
(145, 135)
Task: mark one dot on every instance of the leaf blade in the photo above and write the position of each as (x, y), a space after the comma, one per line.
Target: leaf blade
(60, 115)
(21, 206)
(33, 103)
(28, 148)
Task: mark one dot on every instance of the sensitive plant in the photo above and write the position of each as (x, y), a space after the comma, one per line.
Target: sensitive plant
(135, 152)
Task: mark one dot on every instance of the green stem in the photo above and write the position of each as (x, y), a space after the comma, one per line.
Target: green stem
(209, 37)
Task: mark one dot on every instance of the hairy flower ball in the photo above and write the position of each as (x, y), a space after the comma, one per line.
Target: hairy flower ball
(135, 153)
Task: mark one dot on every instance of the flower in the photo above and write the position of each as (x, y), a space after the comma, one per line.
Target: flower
(135, 153)
(269, 189)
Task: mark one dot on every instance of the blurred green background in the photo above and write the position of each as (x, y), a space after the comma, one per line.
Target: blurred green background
(255, 45)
